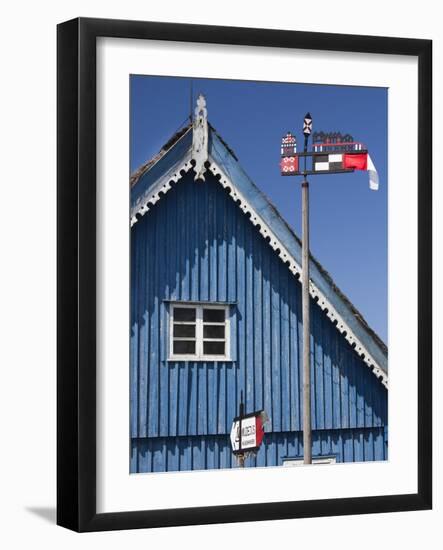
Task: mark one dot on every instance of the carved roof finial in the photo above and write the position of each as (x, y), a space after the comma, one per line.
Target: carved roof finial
(200, 138)
(201, 110)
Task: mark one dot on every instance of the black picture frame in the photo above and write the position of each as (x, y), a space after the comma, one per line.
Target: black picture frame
(76, 279)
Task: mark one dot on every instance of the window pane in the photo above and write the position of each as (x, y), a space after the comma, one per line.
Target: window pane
(184, 347)
(214, 331)
(184, 330)
(184, 314)
(213, 315)
(214, 348)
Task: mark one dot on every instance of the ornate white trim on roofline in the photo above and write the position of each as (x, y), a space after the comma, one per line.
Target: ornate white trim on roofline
(164, 185)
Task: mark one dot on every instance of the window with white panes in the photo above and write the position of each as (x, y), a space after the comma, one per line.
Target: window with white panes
(199, 332)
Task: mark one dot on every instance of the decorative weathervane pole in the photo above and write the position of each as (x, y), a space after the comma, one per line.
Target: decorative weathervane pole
(332, 153)
(307, 432)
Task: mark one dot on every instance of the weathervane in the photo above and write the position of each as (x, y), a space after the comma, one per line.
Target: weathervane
(333, 153)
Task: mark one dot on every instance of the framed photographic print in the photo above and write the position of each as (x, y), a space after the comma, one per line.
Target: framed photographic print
(244, 274)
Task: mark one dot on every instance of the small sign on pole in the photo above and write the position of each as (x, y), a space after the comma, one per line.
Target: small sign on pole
(247, 432)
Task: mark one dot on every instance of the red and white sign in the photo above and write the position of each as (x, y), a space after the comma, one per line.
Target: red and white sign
(288, 165)
(251, 431)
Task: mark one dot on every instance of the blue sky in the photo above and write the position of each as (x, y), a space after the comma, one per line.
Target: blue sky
(348, 222)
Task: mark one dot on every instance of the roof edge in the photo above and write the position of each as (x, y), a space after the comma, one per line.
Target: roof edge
(145, 167)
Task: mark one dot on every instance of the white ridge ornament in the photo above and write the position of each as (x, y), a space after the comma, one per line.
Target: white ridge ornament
(200, 138)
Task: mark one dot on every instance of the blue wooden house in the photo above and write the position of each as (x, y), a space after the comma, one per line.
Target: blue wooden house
(216, 311)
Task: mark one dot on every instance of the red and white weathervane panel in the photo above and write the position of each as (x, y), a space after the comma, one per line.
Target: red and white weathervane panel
(332, 153)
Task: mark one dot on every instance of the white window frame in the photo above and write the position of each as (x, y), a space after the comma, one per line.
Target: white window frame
(199, 355)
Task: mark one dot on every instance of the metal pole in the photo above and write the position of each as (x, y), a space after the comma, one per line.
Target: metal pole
(307, 435)
(241, 456)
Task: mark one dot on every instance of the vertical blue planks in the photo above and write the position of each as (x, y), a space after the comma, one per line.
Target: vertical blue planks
(143, 321)
(134, 341)
(222, 244)
(266, 338)
(327, 374)
(257, 321)
(241, 306)
(275, 347)
(294, 355)
(285, 354)
(202, 395)
(249, 321)
(223, 423)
